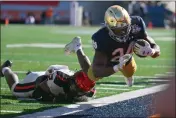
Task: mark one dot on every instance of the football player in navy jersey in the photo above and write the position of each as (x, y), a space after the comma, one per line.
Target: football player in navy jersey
(117, 39)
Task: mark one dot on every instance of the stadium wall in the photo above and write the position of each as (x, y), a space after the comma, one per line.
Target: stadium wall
(17, 11)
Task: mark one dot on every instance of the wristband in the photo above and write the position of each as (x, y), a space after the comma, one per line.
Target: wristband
(115, 68)
(153, 52)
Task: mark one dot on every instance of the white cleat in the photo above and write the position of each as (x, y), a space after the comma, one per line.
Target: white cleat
(129, 81)
(73, 46)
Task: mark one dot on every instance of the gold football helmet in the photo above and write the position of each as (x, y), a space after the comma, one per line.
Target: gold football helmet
(118, 22)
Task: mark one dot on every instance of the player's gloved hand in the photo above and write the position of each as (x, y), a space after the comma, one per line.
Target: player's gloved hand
(144, 50)
(122, 62)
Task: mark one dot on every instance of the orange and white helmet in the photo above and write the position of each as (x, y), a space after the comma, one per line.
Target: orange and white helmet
(118, 22)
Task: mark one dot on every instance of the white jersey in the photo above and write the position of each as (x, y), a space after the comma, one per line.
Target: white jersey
(26, 87)
(54, 88)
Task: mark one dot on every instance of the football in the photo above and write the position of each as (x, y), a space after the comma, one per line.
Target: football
(140, 43)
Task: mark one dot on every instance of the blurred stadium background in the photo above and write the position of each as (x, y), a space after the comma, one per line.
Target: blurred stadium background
(159, 14)
(33, 34)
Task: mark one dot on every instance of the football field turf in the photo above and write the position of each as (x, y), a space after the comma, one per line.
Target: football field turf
(37, 47)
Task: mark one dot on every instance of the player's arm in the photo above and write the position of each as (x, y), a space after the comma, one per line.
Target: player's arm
(99, 65)
(42, 91)
(154, 46)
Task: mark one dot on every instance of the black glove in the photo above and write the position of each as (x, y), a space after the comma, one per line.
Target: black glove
(40, 94)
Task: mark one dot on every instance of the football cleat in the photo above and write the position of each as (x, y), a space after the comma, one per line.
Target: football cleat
(129, 81)
(28, 72)
(7, 63)
(73, 45)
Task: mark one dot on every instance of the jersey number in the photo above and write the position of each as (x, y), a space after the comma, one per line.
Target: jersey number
(121, 53)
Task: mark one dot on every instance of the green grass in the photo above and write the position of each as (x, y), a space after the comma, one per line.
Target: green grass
(38, 59)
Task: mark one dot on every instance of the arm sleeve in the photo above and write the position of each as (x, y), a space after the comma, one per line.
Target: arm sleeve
(143, 33)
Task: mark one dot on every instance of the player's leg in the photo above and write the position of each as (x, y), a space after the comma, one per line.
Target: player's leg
(10, 76)
(26, 87)
(82, 79)
(76, 46)
(83, 60)
(128, 70)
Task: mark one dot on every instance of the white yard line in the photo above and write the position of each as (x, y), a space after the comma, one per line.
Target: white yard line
(41, 45)
(158, 80)
(116, 85)
(73, 108)
(100, 88)
(22, 72)
(92, 31)
(163, 75)
(155, 66)
(134, 76)
(105, 92)
(71, 57)
(170, 72)
(76, 63)
(104, 88)
(37, 54)
(5, 89)
(7, 111)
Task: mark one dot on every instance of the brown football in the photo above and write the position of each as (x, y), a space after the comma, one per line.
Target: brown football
(142, 43)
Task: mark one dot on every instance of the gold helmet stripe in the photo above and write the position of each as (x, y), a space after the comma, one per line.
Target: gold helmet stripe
(114, 15)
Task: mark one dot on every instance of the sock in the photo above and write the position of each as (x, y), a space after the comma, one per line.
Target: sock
(4, 69)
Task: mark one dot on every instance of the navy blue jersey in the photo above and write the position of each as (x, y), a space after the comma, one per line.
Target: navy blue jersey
(104, 43)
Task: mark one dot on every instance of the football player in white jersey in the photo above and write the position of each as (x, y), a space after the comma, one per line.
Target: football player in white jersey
(57, 82)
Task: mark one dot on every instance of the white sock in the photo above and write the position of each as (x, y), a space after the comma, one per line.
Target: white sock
(5, 69)
(77, 48)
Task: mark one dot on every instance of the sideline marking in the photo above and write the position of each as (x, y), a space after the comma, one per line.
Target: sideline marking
(73, 108)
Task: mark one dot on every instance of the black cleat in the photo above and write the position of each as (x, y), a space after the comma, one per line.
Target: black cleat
(28, 72)
(7, 63)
